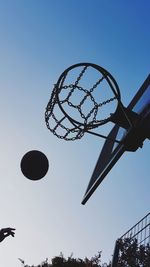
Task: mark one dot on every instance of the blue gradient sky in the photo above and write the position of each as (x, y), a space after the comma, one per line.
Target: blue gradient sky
(39, 39)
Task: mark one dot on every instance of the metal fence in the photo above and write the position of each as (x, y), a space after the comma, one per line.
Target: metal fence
(139, 232)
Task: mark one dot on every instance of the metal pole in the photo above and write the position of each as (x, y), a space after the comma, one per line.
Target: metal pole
(115, 255)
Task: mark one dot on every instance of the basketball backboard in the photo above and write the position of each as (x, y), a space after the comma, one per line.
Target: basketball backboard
(131, 138)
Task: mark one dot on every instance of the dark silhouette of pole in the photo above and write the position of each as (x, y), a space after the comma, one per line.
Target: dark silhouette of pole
(115, 255)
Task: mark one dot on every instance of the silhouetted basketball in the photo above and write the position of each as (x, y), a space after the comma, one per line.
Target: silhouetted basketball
(34, 165)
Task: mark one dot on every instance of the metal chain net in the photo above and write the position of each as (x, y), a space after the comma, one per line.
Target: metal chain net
(61, 123)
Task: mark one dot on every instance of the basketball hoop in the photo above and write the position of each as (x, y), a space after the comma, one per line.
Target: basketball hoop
(75, 108)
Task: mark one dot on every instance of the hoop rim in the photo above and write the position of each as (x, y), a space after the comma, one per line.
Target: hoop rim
(109, 78)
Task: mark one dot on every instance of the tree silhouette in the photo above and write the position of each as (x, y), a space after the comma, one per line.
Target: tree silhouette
(130, 255)
(133, 255)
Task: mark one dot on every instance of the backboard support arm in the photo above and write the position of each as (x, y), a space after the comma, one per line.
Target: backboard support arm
(124, 117)
(103, 136)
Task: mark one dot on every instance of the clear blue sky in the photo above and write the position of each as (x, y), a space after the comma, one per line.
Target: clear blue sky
(39, 39)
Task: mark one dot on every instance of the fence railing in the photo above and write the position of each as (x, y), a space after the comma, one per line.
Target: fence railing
(139, 232)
